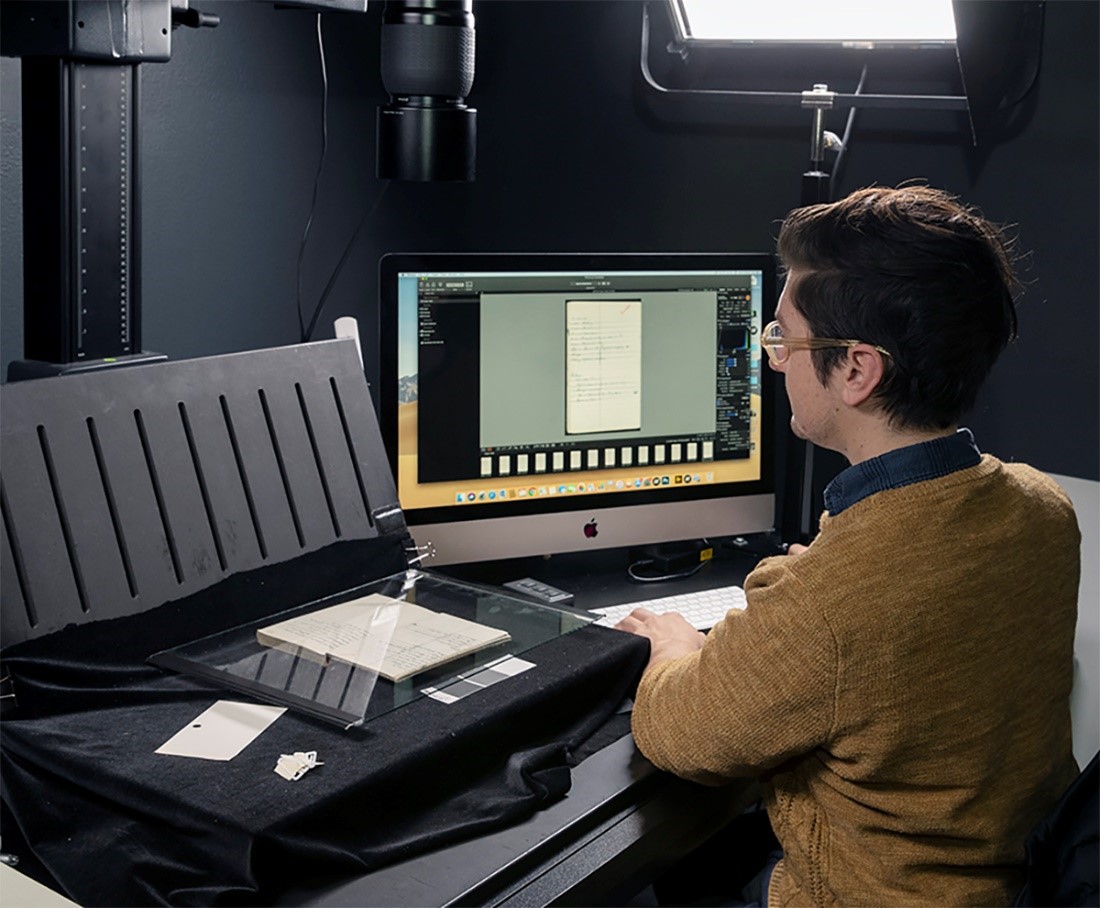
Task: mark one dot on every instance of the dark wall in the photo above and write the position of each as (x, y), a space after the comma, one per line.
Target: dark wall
(573, 155)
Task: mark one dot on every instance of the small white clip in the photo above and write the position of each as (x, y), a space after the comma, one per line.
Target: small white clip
(293, 766)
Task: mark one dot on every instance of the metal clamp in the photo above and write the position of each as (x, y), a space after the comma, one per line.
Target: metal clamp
(819, 97)
(417, 553)
(819, 100)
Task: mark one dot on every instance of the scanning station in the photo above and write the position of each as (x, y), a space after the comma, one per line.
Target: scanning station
(271, 636)
(227, 675)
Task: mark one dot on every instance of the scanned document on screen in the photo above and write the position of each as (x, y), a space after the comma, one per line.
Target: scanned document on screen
(603, 365)
(395, 638)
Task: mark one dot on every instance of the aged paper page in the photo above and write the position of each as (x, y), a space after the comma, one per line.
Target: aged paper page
(603, 365)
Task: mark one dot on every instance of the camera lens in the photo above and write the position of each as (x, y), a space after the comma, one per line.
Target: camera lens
(427, 132)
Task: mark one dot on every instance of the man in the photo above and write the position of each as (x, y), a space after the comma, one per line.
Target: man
(901, 685)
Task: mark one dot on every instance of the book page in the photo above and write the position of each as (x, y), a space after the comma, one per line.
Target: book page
(395, 638)
(603, 365)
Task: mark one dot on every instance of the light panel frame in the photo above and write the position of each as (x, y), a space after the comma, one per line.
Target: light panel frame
(899, 23)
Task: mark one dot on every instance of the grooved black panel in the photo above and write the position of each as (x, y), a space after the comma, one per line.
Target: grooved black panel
(305, 492)
(348, 505)
(20, 609)
(34, 521)
(128, 488)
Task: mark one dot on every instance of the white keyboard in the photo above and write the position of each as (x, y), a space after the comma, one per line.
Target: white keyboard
(702, 609)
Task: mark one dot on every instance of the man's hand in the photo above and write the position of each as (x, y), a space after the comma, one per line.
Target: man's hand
(796, 548)
(669, 634)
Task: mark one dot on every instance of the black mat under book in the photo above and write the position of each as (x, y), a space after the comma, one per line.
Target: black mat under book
(149, 507)
(117, 824)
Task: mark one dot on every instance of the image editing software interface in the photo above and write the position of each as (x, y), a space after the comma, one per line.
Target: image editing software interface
(538, 385)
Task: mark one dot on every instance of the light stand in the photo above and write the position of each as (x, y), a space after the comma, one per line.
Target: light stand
(799, 461)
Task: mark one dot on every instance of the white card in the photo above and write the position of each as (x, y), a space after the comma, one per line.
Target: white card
(222, 731)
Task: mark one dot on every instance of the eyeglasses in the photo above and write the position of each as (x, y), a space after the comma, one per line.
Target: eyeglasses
(779, 347)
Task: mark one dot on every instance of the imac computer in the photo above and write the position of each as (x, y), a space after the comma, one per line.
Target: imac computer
(536, 404)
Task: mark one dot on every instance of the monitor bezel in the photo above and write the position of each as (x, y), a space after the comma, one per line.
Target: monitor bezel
(394, 263)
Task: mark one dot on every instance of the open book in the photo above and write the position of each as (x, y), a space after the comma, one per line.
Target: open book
(395, 638)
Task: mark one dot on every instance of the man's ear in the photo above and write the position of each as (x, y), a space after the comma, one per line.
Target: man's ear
(861, 372)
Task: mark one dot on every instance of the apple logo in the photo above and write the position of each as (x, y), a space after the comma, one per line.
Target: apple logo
(590, 529)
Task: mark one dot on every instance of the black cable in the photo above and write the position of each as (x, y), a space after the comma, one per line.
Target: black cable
(316, 179)
(847, 135)
(643, 578)
(632, 569)
(343, 259)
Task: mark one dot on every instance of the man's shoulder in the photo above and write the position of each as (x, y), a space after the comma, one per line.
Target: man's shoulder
(876, 536)
(1039, 489)
(991, 477)
(1032, 479)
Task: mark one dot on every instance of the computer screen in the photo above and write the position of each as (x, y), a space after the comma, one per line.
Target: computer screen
(534, 404)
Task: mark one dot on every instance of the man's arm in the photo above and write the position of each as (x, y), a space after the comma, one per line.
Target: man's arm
(756, 691)
(670, 635)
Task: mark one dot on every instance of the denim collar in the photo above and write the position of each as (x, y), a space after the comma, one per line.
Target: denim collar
(901, 467)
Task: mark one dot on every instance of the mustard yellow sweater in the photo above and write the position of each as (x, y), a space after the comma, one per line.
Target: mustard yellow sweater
(901, 688)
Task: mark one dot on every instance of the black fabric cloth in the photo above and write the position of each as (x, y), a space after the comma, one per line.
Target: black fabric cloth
(116, 824)
(1063, 851)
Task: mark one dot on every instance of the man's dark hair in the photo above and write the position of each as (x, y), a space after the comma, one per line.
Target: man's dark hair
(917, 273)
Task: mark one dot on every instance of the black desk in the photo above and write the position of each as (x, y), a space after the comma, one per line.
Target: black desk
(622, 823)
(620, 826)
